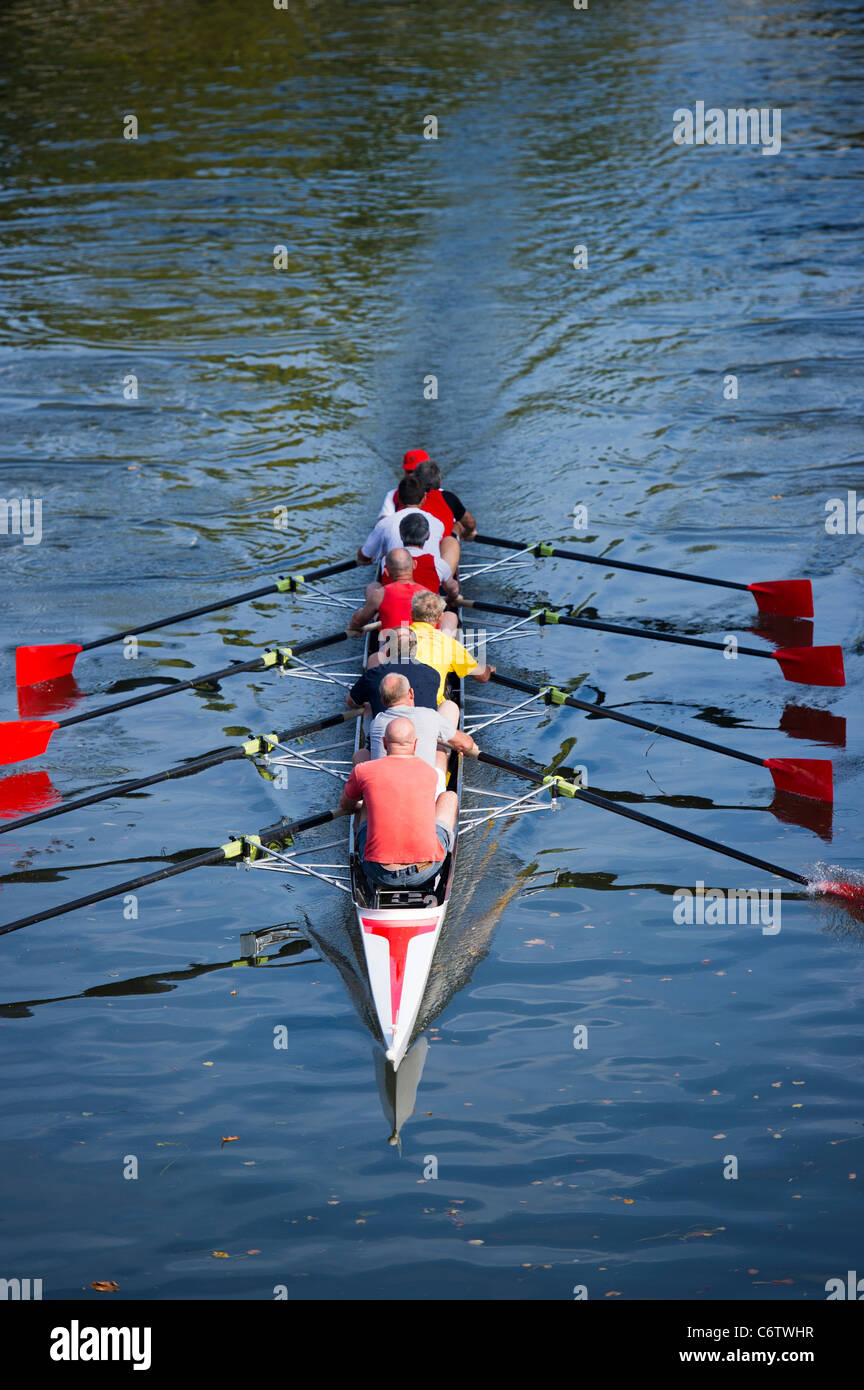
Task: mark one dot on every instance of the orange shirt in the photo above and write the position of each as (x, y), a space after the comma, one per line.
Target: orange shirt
(399, 794)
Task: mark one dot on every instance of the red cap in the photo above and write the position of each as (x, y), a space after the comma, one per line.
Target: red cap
(413, 457)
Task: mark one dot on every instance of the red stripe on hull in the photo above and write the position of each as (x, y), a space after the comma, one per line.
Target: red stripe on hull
(398, 940)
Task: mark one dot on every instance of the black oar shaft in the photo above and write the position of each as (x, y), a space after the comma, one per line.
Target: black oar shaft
(694, 839)
(214, 759)
(231, 602)
(174, 689)
(512, 612)
(584, 795)
(602, 713)
(280, 832)
(610, 563)
(257, 664)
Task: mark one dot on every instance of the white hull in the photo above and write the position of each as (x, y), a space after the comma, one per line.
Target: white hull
(399, 947)
(400, 930)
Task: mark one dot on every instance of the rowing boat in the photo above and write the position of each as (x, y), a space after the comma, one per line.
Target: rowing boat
(400, 929)
(400, 932)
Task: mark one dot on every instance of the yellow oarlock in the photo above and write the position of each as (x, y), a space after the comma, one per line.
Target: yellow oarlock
(561, 785)
(261, 744)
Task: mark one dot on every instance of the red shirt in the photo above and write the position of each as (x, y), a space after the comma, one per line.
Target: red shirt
(435, 504)
(395, 608)
(425, 573)
(399, 795)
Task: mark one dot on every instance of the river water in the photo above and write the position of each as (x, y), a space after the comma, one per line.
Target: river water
(196, 420)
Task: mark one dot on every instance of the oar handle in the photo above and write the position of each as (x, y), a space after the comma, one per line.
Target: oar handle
(608, 562)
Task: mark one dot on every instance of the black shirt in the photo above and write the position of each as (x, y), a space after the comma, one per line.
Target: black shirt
(454, 504)
(424, 681)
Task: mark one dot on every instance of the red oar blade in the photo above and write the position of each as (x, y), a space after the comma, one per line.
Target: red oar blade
(804, 776)
(791, 598)
(838, 888)
(35, 664)
(812, 665)
(26, 793)
(24, 738)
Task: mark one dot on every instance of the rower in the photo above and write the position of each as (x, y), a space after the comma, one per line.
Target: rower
(437, 500)
(387, 531)
(421, 535)
(405, 831)
(403, 662)
(441, 649)
(436, 729)
(422, 488)
(390, 597)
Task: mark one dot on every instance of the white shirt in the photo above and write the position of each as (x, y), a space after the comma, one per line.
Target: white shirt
(431, 727)
(388, 506)
(385, 535)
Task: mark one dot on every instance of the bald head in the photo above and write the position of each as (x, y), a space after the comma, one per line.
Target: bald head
(394, 690)
(400, 736)
(399, 564)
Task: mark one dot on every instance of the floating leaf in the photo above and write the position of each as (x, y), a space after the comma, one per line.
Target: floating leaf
(104, 1286)
(230, 1138)
(221, 1255)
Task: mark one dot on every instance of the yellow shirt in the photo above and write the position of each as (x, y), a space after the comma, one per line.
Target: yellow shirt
(439, 649)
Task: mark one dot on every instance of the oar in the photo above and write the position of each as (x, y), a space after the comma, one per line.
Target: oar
(853, 892)
(27, 738)
(792, 598)
(808, 665)
(48, 663)
(805, 776)
(251, 748)
(282, 833)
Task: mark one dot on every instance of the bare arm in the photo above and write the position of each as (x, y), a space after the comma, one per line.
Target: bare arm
(463, 743)
(467, 526)
(483, 673)
(374, 595)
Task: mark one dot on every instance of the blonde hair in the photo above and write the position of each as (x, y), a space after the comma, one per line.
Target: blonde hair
(427, 607)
